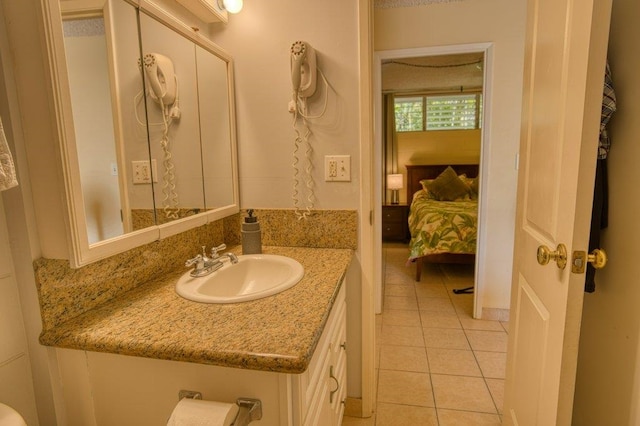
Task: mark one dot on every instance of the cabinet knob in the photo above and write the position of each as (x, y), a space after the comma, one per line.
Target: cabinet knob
(343, 345)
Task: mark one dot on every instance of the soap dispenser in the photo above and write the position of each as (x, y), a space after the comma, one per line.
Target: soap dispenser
(251, 234)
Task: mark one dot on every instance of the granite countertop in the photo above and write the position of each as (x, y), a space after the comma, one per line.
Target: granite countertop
(278, 333)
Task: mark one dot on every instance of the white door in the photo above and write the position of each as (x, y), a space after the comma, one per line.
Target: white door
(565, 50)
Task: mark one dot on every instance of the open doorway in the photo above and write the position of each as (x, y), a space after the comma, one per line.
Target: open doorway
(430, 105)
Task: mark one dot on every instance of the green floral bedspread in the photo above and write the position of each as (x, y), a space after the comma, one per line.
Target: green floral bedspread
(442, 226)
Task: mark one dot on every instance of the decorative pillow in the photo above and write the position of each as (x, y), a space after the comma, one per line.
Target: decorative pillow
(425, 187)
(475, 185)
(425, 183)
(448, 186)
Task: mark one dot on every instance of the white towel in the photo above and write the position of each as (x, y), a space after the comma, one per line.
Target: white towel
(7, 169)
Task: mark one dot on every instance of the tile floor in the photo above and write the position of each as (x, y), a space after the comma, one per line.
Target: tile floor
(435, 364)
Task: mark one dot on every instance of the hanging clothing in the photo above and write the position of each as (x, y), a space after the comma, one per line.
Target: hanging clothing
(600, 212)
(7, 169)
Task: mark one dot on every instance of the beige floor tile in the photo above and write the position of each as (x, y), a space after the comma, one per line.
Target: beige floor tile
(478, 324)
(462, 393)
(399, 290)
(401, 335)
(446, 338)
(397, 249)
(427, 279)
(436, 304)
(408, 388)
(449, 332)
(460, 300)
(357, 421)
(430, 290)
(490, 341)
(466, 418)
(398, 274)
(453, 361)
(401, 317)
(431, 319)
(399, 302)
(496, 387)
(404, 358)
(395, 414)
(492, 364)
(457, 272)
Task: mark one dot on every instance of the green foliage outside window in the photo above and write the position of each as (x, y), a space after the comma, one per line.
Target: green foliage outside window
(443, 112)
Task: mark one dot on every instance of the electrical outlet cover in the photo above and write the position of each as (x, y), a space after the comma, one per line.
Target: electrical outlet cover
(337, 168)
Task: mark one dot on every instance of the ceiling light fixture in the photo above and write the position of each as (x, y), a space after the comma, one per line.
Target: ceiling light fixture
(231, 6)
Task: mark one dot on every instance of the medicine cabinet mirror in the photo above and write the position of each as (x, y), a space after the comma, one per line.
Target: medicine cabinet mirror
(147, 106)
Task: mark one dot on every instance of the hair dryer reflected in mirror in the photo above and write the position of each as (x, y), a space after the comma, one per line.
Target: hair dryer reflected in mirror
(163, 81)
(163, 89)
(162, 77)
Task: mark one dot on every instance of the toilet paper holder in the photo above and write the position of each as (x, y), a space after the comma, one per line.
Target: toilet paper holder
(250, 409)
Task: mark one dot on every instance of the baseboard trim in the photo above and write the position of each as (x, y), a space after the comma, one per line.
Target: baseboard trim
(495, 314)
(353, 408)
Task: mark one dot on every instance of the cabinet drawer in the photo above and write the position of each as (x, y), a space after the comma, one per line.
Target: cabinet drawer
(392, 214)
(312, 387)
(395, 222)
(392, 230)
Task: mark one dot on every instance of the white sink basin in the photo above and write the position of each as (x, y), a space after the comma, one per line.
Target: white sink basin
(254, 276)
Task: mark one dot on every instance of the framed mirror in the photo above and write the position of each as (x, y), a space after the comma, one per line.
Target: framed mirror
(147, 106)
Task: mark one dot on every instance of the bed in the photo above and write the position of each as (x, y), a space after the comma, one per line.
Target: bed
(443, 225)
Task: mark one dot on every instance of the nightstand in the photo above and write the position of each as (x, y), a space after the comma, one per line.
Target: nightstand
(394, 222)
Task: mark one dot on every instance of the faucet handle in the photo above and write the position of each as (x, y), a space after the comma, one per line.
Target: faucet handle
(193, 261)
(215, 250)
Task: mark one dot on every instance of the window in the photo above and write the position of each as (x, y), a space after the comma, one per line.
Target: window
(441, 112)
(409, 114)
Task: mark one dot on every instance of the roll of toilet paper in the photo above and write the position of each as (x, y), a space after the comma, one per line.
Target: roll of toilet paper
(198, 412)
(10, 417)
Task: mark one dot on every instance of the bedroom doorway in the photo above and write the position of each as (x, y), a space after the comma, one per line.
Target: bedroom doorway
(419, 81)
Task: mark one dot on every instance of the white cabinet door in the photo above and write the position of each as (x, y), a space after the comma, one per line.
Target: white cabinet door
(338, 369)
(325, 382)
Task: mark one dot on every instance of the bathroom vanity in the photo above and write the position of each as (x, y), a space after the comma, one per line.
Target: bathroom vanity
(125, 361)
(122, 342)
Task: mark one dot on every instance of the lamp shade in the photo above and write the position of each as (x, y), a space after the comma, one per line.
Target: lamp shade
(395, 181)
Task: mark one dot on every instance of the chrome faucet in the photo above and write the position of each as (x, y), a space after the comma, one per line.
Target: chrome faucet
(203, 265)
(232, 257)
(215, 250)
(215, 256)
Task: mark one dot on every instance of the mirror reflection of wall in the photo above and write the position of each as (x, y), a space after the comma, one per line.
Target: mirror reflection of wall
(213, 105)
(86, 50)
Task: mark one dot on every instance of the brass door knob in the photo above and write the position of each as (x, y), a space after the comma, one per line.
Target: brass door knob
(597, 258)
(559, 255)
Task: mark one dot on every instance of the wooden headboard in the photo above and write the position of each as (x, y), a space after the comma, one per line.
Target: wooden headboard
(415, 173)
